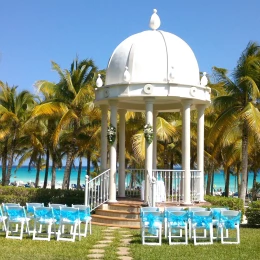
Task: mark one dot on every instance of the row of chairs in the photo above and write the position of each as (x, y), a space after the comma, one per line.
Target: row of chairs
(195, 223)
(16, 218)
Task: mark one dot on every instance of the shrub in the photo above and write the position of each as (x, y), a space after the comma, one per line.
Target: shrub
(231, 203)
(22, 195)
(253, 213)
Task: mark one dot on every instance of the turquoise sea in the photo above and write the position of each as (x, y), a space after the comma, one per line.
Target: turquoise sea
(23, 175)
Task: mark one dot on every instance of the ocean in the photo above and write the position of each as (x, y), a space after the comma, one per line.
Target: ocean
(23, 175)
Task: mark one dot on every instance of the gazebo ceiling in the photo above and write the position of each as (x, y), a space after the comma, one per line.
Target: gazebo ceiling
(153, 64)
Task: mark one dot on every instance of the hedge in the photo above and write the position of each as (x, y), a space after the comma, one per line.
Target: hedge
(11, 194)
(231, 203)
(253, 213)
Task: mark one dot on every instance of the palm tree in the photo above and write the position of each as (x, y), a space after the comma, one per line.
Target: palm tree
(15, 109)
(70, 98)
(239, 106)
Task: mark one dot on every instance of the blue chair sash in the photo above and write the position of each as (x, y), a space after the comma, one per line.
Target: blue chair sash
(201, 221)
(152, 221)
(229, 222)
(176, 221)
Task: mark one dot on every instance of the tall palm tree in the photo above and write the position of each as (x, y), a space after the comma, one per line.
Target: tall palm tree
(15, 109)
(239, 106)
(70, 98)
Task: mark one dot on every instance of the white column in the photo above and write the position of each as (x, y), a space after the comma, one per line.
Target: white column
(148, 147)
(186, 152)
(200, 148)
(155, 113)
(112, 182)
(103, 163)
(121, 181)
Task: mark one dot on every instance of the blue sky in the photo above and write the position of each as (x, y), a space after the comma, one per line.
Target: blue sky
(32, 33)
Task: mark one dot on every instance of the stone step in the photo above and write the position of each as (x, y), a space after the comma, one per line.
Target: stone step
(121, 206)
(112, 221)
(118, 213)
(114, 225)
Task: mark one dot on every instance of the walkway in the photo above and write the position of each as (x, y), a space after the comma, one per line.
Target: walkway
(122, 252)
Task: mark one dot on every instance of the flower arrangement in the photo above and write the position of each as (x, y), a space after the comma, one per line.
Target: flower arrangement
(111, 134)
(148, 133)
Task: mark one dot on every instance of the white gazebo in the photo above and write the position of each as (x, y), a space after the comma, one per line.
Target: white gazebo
(152, 71)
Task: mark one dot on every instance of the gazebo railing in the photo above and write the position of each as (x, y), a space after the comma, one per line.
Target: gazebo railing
(97, 190)
(170, 184)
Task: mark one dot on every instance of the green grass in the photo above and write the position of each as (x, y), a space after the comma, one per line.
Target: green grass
(249, 248)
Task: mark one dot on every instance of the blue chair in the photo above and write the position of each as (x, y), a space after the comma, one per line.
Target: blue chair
(16, 215)
(176, 222)
(151, 226)
(146, 209)
(215, 219)
(44, 217)
(30, 208)
(56, 210)
(166, 210)
(69, 217)
(85, 217)
(2, 219)
(8, 205)
(202, 220)
(191, 210)
(229, 219)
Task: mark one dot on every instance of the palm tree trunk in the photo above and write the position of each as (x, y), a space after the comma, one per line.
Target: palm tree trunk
(68, 185)
(88, 162)
(53, 171)
(209, 183)
(79, 173)
(38, 169)
(10, 165)
(254, 190)
(227, 174)
(66, 177)
(4, 163)
(46, 169)
(212, 183)
(243, 187)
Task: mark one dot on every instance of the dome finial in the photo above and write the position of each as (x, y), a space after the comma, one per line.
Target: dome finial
(99, 82)
(155, 21)
(204, 80)
(127, 76)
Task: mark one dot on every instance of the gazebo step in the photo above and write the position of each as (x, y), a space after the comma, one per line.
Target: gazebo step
(114, 225)
(122, 207)
(115, 221)
(118, 213)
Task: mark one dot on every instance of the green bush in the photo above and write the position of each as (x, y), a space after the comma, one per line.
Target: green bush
(231, 203)
(253, 213)
(22, 195)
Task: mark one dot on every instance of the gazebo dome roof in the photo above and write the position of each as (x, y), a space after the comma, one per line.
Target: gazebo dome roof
(153, 56)
(153, 65)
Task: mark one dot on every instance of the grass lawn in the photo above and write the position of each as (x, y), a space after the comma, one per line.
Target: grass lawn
(249, 248)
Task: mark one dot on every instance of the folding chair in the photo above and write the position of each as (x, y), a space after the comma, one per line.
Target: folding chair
(56, 210)
(84, 215)
(191, 210)
(2, 219)
(8, 205)
(166, 210)
(16, 215)
(177, 221)
(30, 208)
(146, 209)
(44, 217)
(215, 219)
(229, 219)
(202, 220)
(151, 227)
(69, 217)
